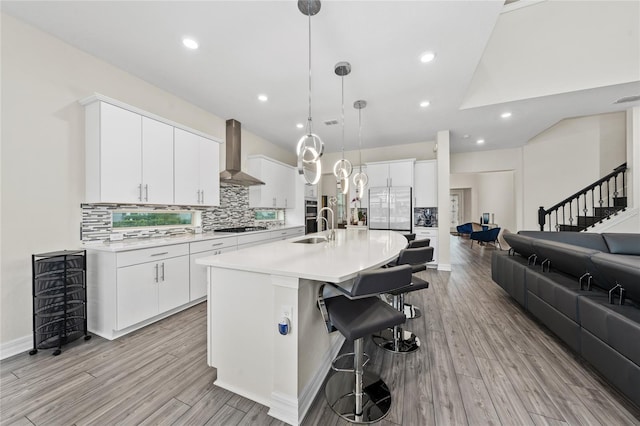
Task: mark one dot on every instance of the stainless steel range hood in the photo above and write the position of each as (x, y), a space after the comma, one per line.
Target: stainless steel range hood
(233, 175)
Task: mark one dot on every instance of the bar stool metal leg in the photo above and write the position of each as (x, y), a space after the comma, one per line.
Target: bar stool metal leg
(396, 339)
(359, 396)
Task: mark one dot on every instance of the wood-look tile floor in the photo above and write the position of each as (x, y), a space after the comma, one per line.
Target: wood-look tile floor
(482, 361)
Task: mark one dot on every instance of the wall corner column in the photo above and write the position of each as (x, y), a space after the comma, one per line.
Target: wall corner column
(444, 214)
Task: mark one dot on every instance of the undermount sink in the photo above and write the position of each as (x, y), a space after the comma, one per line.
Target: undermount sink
(311, 240)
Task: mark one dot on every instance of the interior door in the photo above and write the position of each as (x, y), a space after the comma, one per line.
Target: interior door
(455, 210)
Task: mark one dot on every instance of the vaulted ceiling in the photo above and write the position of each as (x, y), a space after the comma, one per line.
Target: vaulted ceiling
(542, 61)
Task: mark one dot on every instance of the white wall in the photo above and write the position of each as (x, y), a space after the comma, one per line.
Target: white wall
(419, 151)
(491, 192)
(42, 162)
(568, 157)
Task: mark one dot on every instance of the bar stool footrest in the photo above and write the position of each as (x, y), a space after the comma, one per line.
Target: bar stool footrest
(408, 343)
(344, 356)
(339, 392)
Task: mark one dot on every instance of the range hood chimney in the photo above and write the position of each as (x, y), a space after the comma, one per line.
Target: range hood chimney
(233, 175)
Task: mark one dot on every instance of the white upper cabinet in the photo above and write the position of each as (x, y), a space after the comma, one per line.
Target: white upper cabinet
(197, 169)
(131, 156)
(157, 162)
(279, 190)
(113, 154)
(390, 173)
(426, 183)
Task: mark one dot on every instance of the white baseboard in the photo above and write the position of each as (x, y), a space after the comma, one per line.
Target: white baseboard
(293, 411)
(444, 267)
(14, 347)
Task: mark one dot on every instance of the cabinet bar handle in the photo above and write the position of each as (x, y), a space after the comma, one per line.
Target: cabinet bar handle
(156, 267)
(146, 192)
(140, 192)
(202, 196)
(216, 244)
(198, 202)
(162, 267)
(159, 254)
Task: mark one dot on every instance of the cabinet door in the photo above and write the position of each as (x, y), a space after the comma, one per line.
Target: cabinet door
(288, 186)
(157, 162)
(186, 166)
(209, 172)
(173, 283)
(378, 175)
(120, 155)
(198, 273)
(426, 184)
(263, 195)
(137, 293)
(401, 173)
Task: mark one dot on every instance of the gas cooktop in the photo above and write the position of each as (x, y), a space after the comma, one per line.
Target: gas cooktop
(243, 229)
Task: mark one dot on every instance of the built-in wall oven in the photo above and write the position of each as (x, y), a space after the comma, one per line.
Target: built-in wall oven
(310, 214)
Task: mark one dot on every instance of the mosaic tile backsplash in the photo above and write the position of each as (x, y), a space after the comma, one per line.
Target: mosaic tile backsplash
(234, 211)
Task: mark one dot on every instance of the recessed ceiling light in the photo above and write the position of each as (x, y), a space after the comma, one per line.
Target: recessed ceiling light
(466, 136)
(427, 57)
(480, 141)
(505, 115)
(190, 43)
(263, 98)
(299, 125)
(425, 104)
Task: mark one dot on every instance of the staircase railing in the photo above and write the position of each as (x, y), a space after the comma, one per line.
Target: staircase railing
(596, 202)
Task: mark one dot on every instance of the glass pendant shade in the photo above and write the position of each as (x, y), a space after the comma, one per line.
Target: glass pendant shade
(360, 179)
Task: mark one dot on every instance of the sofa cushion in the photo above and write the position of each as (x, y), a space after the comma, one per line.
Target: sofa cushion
(583, 239)
(561, 325)
(616, 325)
(623, 243)
(558, 290)
(621, 269)
(521, 244)
(619, 370)
(569, 259)
(509, 273)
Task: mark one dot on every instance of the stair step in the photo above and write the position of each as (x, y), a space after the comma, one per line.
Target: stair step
(587, 221)
(620, 201)
(606, 211)
(571, 228)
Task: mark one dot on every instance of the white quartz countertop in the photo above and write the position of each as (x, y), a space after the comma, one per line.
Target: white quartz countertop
(139, 243)
(335, 261)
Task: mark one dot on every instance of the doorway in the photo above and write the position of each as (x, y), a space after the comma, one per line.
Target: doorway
(456, 207)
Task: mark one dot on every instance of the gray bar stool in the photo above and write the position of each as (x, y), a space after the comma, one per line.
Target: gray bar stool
(409, 310)
(397, 339)
(354, 394)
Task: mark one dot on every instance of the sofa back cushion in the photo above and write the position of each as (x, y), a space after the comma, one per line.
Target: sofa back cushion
(623, 243)
(582, 239)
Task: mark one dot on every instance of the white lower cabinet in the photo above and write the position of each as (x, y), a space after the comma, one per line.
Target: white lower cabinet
(152, 288)
(432, 234)
(198, 273)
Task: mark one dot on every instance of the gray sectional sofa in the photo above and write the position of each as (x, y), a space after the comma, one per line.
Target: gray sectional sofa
(585, 287)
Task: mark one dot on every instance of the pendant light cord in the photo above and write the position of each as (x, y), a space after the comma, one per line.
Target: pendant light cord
(360, 140)
(342, 80)
(309, 125)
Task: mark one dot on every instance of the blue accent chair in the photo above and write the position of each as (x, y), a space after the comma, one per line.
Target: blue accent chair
(487, 236)
(470, 227)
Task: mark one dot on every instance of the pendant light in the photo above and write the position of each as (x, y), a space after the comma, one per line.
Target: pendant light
(342, 168)
(310, 147)
(360, 179)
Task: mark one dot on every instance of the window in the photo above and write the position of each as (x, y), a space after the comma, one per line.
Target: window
(268, 215)
(152, 219)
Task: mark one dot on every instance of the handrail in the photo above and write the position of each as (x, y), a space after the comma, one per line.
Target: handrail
(621, 168)
(569, 201)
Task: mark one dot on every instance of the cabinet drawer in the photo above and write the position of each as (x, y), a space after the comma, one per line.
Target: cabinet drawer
(133, 257)
(426, 233)
(254, 238)
(283, 234)
(215, 244)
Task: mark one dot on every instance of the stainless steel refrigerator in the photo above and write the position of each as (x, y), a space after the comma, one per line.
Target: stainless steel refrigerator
(390, 208)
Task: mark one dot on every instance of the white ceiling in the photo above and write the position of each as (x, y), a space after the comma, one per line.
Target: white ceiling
(261, 47)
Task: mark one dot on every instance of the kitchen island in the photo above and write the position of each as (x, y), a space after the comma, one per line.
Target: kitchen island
(251, 290)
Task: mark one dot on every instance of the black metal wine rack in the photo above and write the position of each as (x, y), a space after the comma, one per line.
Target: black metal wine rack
(59, 299)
